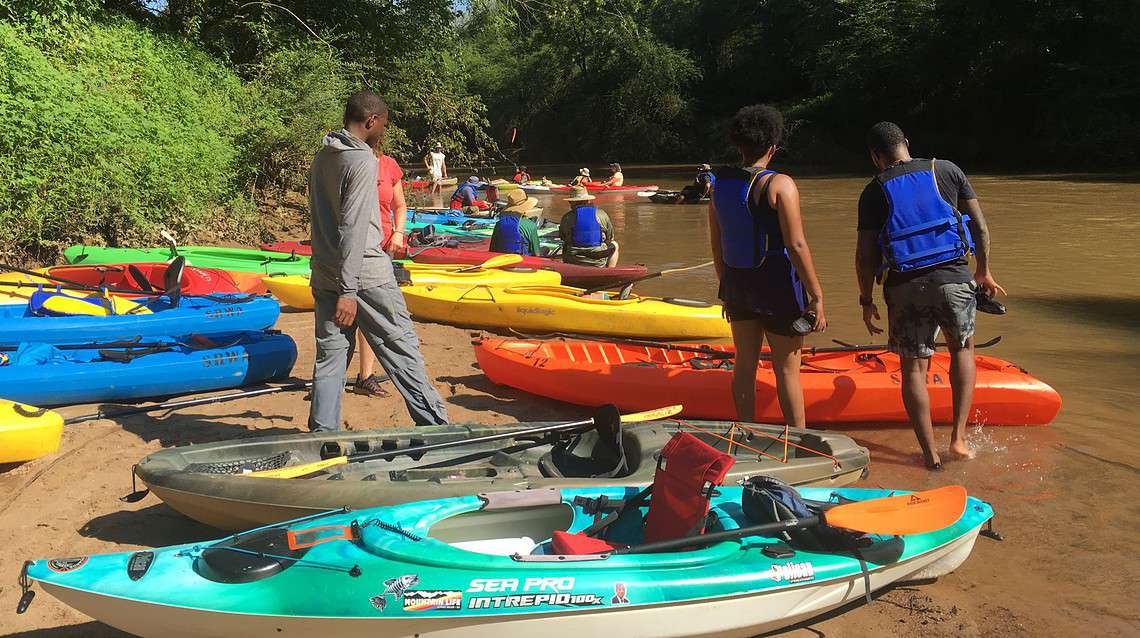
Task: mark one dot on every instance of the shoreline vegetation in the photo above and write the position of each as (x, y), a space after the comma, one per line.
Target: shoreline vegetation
(122, 117)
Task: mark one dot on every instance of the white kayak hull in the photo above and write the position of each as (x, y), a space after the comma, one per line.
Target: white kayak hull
(744, 615)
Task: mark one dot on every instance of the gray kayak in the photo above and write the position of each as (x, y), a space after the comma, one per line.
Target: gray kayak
(207, 482)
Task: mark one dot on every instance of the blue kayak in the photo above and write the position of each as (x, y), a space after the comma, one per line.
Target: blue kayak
(193, 315)
(450, 217)
(45, 375)
(478, 566)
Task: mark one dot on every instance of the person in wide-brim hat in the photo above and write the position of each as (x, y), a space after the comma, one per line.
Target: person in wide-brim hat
(518, 202)
(580, 194)
(582, 178)
(515, 232)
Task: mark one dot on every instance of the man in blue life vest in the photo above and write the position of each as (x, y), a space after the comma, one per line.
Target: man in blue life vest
(466, 198)
(587, 232)
(919, 220)
(515, 232)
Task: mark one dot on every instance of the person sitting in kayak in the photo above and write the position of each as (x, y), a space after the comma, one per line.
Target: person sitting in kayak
(582, 179)
(702, 186)
(521, 177)
(919, 220)
(515, 232)
(616, 178)
(764, 264)
(466, 197)
(587, 232)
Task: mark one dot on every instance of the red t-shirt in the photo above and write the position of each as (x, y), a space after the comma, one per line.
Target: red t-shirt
(388, 175)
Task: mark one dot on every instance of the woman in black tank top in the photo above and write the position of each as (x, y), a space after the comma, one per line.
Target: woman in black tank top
(776, 284)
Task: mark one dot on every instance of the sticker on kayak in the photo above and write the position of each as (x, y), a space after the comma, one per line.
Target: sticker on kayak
(792, 572)
(535, 311)
(535, 600)
(394, 587)
(138, 564)
(230, 357)
(63, 565)
(429, 599)
(620, 592)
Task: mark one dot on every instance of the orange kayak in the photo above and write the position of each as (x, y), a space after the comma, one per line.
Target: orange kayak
(839, 387)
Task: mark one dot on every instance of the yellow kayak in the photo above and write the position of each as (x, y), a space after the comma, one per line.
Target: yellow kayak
(27, 433)
(543, 309)
(294, 291)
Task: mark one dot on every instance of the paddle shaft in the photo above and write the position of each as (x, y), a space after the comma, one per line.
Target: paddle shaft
(431, 447)
(651, 275)
(172, 405)
(728, 535)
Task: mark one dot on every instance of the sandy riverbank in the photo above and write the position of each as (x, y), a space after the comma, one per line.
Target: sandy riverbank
(1042, 581)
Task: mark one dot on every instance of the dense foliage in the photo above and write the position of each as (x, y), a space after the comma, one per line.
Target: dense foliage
(118, 117)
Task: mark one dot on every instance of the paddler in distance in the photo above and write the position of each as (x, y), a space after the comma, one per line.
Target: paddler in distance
(521, 176)
(352, 278)
(616, 177)
(919, 220)
(767, 278)
(516, 232)
(582, 178)
(587, 233)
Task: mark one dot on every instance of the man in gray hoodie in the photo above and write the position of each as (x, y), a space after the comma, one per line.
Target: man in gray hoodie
(353, 283)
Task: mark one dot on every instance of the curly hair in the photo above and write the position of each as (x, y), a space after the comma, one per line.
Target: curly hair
(885, 137)
(755, 129)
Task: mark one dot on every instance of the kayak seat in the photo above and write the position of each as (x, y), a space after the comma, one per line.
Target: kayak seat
(688, 471)
(590, 455)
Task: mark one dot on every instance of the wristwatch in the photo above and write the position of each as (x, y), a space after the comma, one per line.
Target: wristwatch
(866, 301)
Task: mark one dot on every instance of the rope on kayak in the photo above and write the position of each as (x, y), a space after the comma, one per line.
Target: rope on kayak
(732, 442)
(395, 529)
(353, 571)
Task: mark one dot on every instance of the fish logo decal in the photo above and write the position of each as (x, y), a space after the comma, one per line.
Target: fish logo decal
(395, 587)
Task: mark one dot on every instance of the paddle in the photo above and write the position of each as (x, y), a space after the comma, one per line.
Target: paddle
(294, 471)
(646, 193)
(651, 275)
(498, 261)
(915, 513)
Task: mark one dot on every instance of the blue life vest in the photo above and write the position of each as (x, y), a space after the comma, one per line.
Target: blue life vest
(746, 239)
(507, 238)
(587, 230)
(922, 229)
(465, 194)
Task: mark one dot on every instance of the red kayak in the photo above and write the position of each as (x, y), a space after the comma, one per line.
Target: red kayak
(839, 387)
(149, 277)
(601, 188)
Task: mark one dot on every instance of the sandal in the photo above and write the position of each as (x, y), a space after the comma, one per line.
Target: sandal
(370, 387)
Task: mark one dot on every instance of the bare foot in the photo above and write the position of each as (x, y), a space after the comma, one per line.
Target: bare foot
(960, 450)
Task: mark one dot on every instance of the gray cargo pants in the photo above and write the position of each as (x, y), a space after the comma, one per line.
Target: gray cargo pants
(383, 316)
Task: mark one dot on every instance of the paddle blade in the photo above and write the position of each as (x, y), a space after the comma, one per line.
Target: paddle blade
(293, 471)
(915, 513)
(498, 261)
(653, 415)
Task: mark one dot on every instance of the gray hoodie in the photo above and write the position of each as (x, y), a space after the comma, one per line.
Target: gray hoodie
(344, 211)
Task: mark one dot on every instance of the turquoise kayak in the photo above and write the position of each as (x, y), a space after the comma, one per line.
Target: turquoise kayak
(44, 375)
(480, 567)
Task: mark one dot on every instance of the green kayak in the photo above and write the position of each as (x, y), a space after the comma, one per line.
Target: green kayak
(206, 482)
(233, 259)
